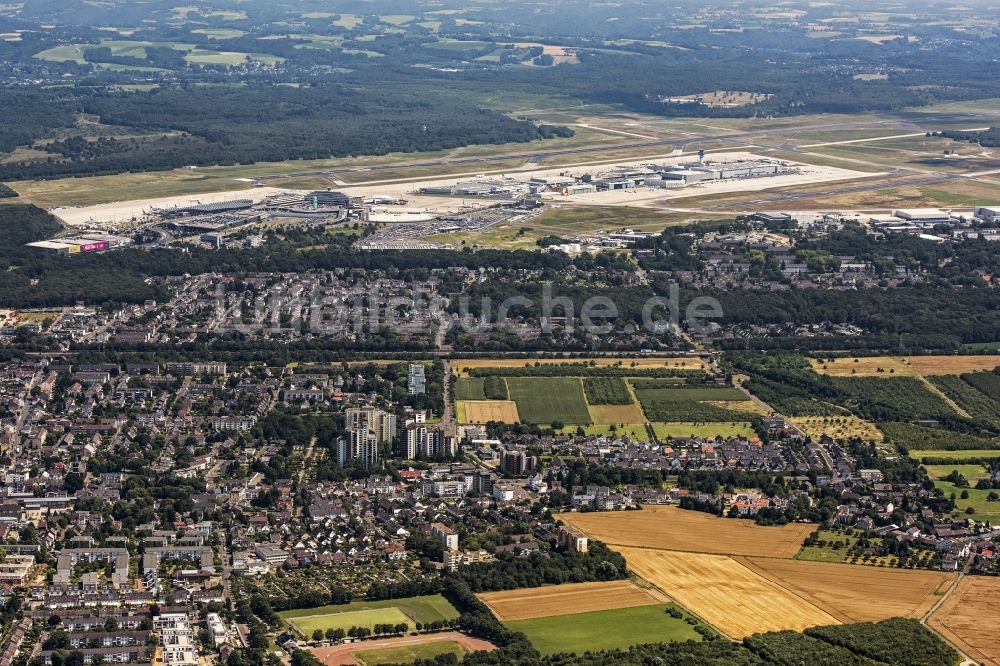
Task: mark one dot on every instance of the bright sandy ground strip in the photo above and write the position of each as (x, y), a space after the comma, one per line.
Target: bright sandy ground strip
(527, 604)
(725, 593)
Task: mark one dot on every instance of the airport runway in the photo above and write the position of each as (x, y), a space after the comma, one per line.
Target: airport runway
(674, 142)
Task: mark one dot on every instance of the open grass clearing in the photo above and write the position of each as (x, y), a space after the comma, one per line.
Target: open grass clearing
(409, 653)
(349, 21)
(469, 388)
(694, 429)
(425, 609)
(219, 33)
(962, 454)
(834, 549)
(634, 431)
(66, 53)
(570, 218)
(605, 630)
(203, 57)
(362, 618)
(615, 414)
(984, 508)
(671, 528)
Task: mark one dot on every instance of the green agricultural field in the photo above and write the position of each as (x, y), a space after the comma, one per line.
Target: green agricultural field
(694, 429)
(543, 400)
(408, 653)
(605, 630)
(684, 394)
(362, 618)
(686, 405)
(469, 388)
(977, 500)
(834, 549)
(201, 57)
(70, 52)
(219, 33)
(922, 441)
(982, 346)
(892, 398)
(970, 472)
(965, 454)
(426, 609)
(634, 431)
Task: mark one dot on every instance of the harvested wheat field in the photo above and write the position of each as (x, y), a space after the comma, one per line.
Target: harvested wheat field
(953, 365)
(724, 593)
(461, 367)
(865, 366)
(856, 593)
(888, 366)
(969, 618)
(670, 528)
(528, 604)
(483, 411)
(746, 406)
(838, 427)
(608, 414)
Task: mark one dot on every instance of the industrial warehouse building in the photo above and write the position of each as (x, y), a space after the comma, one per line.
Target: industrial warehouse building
(81, 244)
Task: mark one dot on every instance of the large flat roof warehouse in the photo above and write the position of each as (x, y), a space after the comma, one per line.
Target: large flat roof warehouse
(921, 214)
(50, 245)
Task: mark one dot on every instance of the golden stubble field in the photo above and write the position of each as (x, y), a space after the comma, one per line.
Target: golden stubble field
(608, 414)
(671, 528)
(969, 618)
(484, 411)
(740, 577)
(905, 366)
(528, 604)
(461, 367)
(854, 592)
(723, 592)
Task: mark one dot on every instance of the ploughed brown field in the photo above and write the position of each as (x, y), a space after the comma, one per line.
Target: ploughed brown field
(670, 528)
(853, 592)
(723, 592)
(969, 618)
(528, 604)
